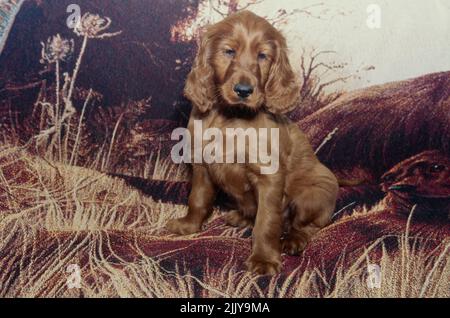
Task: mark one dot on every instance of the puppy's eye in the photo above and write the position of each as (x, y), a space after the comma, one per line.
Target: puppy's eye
(262, 56)
(230, 52)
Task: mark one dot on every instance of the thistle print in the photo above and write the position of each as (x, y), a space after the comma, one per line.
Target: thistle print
(56, 49)
(92, 26)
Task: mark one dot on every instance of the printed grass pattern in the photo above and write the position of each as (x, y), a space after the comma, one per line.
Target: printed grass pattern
(54, 215)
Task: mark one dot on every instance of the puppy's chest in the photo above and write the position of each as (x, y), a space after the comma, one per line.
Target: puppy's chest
(234, 179)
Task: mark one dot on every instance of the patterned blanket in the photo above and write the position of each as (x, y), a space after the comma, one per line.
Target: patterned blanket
(8, 11)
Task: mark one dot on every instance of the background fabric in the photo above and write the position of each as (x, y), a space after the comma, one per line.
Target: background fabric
(8, 11)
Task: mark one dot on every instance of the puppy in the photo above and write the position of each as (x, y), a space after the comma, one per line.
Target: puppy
(242, 79)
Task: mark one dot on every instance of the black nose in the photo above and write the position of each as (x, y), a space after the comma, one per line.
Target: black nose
(243, 90)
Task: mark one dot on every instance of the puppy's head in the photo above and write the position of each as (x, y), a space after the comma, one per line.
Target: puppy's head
(243, 62)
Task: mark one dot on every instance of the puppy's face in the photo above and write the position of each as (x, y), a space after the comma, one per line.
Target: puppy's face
(242, 61)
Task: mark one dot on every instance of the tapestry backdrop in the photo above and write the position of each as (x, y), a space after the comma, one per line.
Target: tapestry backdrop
(91, 91)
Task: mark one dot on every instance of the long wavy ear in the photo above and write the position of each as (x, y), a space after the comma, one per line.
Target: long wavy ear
(200, 87)
(282, 88)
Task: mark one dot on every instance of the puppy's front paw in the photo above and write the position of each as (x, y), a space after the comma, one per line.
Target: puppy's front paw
(260, 266)
(293, 245)
(182, 227)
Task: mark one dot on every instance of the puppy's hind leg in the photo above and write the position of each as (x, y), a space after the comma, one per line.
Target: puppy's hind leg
(245, 215)
(236, 218)
(312, 207)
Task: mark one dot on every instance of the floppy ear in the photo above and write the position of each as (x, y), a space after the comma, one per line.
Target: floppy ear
(200, 87)
(282, 88)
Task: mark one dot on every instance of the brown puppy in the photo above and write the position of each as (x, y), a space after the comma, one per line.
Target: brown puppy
(242, 78)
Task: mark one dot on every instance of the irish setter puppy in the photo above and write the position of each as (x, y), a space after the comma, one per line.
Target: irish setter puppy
(242, 78)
